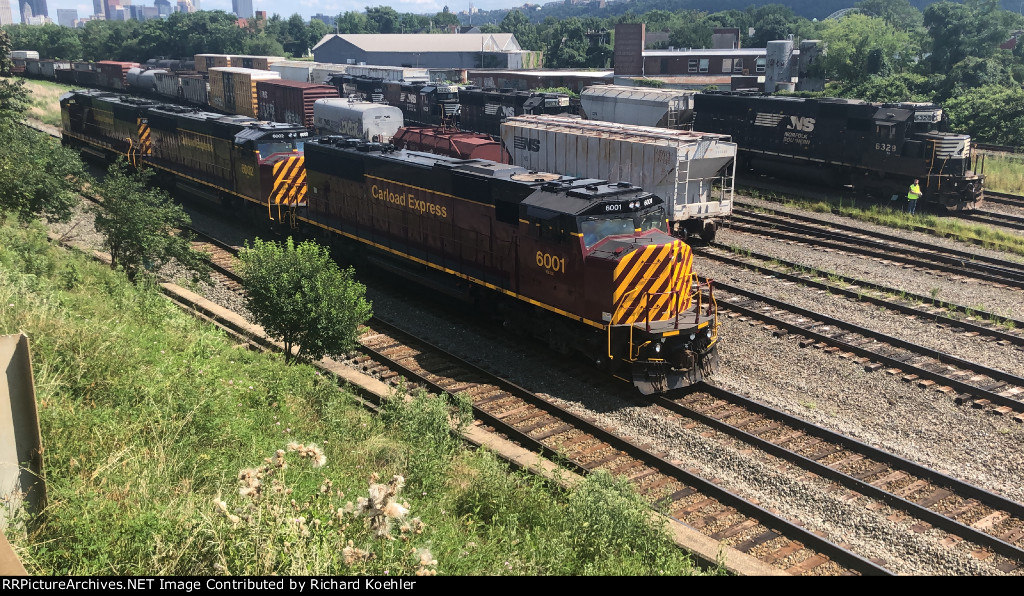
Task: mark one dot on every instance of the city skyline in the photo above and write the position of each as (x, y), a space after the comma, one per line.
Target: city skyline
(306, 8)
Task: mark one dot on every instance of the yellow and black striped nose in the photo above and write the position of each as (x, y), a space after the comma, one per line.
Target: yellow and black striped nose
(145, 142)
(289, 186)
(652, 283)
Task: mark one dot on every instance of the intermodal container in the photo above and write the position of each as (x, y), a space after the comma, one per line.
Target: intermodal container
(204, 62)
(253, 62)
(195, 90)
(290, 101)
(33, 68)
(48, 69)
(23, 54)
(294, 70)
(234, 89)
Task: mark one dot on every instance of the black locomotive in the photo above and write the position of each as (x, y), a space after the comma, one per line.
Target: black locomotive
(482, 110)
(421, 102)
(878, 148)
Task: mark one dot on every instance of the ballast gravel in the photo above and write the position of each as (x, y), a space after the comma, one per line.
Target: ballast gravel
(876, 408)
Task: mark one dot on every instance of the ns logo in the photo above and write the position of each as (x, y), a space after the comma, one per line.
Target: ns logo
(798, 123)
(526, 144)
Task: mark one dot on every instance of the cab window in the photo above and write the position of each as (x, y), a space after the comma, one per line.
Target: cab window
(596, 230)
(654, 220)
(270, 148)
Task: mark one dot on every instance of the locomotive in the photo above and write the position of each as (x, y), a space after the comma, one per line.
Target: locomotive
(878, 148)
(584, 264)
(421, 102)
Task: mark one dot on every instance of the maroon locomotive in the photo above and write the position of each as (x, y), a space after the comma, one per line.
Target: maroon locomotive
(584, 264)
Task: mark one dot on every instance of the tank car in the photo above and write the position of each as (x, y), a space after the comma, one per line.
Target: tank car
(583, 264)
(878, 148)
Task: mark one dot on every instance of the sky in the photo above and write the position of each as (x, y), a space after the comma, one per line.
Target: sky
(306, 8)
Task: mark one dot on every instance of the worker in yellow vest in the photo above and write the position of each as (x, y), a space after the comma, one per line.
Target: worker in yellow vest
(913, 196)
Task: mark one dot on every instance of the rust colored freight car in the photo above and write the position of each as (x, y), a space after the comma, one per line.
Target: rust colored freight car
(113, 75)
(451, 142)
(290, 101)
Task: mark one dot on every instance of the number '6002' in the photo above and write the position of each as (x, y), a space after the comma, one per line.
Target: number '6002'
(248, 170)
(550, 262)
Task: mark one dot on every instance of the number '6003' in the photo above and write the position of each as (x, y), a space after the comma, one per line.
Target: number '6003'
(550, 262)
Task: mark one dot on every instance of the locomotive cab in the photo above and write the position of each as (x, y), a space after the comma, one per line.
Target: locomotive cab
(659, 321)
(270, 166)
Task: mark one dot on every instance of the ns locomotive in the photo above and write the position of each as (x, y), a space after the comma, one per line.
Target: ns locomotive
(584, 264)
(878, 148)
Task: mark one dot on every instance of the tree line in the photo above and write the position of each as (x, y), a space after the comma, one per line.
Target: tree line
(885, 50)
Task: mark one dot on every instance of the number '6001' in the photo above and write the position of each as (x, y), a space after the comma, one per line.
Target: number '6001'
(550, 262)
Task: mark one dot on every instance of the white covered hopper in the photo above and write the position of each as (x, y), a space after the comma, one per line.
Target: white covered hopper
(692, 172)
(644, 106)
(371, 121)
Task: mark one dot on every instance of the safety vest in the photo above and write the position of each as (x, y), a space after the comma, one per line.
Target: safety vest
(915, 192)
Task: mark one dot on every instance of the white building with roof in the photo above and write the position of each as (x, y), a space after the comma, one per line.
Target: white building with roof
(427, 50)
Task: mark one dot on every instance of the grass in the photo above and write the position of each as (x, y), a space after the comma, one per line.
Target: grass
(44, 100)
(171, 451)
(1004, 173)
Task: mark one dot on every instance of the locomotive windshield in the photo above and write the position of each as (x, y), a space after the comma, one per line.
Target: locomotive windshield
(597, 229)
(270, 148)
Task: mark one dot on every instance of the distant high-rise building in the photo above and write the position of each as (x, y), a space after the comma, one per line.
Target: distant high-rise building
(187, 6)
(325, 19)
(6, 16)
(97, 8)
(110, 9)
(66, 17)
(242, 8)
(163, 7)
(32, 8)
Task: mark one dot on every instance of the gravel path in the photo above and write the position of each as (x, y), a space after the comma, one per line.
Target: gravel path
(874, 407)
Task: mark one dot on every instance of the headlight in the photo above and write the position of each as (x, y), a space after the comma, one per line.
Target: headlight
(657, 348)
(693, 336)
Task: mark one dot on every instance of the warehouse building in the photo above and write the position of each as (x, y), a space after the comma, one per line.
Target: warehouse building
(425, 50)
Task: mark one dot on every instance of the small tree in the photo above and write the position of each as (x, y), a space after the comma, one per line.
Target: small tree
(139, 225)
(301, 297)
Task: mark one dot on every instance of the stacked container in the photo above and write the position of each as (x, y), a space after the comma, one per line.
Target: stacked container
(290, 101)
(234, 89)
(204, 62)
(294, 70)
(253, 62)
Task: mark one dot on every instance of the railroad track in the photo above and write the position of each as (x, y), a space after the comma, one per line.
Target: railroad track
(966, 382)
(994, 218)
(880, 246)
(539, 425)
(1005, 330)
(1004, 198)
(989, 520)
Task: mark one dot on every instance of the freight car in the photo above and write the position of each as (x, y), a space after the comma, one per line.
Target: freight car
(585, 264)
(878, 148)
(694, 173)
(451, 142)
